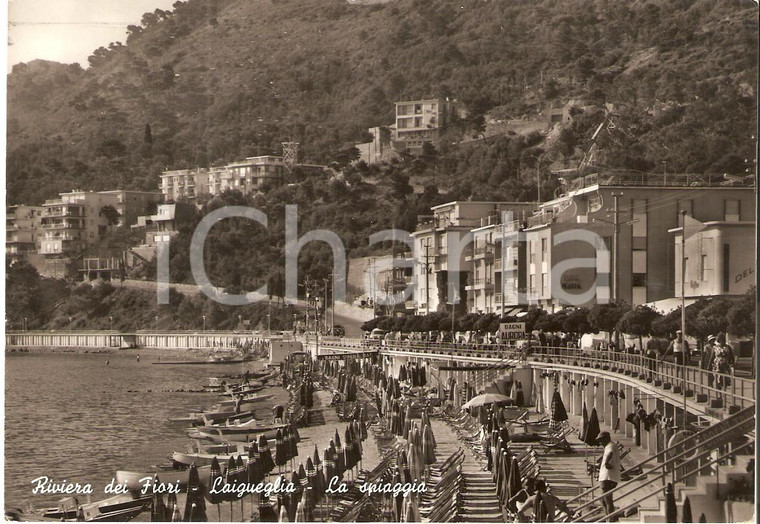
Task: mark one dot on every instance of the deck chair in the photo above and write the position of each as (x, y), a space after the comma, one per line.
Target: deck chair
(557, 440)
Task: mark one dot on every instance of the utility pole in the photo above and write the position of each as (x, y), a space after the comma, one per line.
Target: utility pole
(615, 247)
(683, 313)
(324, 280)
(427, 277)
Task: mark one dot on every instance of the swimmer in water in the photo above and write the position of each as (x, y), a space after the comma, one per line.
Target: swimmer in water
(138, 358)
(108, 362)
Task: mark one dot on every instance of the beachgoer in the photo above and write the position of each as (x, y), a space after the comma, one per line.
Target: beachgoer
(549, 502)
(609, 470)
(723, 362)
(108, 362)
(680, 349)
(138, 358)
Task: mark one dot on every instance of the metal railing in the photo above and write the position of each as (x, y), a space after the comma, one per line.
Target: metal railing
(737, 391)
(692, 460)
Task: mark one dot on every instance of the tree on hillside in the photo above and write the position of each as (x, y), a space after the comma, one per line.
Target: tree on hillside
(638, 322)
(741, 317)
(110, 214)
(605, 317)
(577, 322)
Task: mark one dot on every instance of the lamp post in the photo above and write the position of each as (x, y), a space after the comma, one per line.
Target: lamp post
(71, 319)
(25, 325)
(204, 322)
(156, 323)
(269, 316)
(295, 322)
(110, 321)
(240, 322)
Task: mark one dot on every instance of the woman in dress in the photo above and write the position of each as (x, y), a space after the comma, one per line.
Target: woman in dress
(723, 362)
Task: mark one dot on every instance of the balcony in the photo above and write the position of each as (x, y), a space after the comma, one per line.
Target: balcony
(658, 180)
(480, 284)
(425, 222)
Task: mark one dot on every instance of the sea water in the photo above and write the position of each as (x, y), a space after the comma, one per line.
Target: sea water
(71, 417)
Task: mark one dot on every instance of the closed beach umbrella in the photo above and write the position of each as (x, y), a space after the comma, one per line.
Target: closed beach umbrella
(426, 423)
(195, 506)
(266, 511)
(321, 484)
(671, 510)
(284, 514)
(158, 510)
(428, 446)
(172, 508)
(584, 424)
(300, 515)
(686, 511)
(402, 373)
(340, 464)
(593, 429)
(215, 498)
(559, 413)
(280, 456)
(398, 502)
(292, 442)
(285, 442)
(295, 497)
(267, 464)
(348, 449)
(255, 474)
(412, 512)
(241, 476)
(455, 397)
(416, 465)
(515, 483)
(329, 466)
(311, 474)
(520, 396)
(302, 478)
(283, 499)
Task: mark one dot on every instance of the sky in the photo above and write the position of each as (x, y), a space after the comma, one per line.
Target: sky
(68, 31)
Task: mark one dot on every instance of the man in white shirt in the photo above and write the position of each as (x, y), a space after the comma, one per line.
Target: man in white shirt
(609, 470)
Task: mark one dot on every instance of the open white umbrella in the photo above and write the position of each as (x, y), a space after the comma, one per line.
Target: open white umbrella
(486, 398)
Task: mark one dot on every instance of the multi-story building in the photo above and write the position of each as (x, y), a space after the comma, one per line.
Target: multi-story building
(720, 255)
(621, 224)
(22, 230)
(608, 237)
(417, 122)
(184, 183)
(79, 219)
(131, 204)
(166, 222)
(248, 176)
(442, 262)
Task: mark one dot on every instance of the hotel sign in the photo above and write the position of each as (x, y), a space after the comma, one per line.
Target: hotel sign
(512, 330)
(341, 356)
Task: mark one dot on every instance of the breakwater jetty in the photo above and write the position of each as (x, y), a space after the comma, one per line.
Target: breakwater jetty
(106, 339)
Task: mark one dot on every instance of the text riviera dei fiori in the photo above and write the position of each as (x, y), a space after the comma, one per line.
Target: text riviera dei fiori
(46, 486)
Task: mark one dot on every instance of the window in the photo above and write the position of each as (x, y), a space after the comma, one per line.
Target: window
(544, 284)
(703, 268)
(639, 280)
(543, 250)
(639, 216)
(532, 251)
(732, 210)
(533, 283)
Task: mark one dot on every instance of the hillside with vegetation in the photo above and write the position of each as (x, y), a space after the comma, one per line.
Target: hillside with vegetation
(213, 81)
(217, 80)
